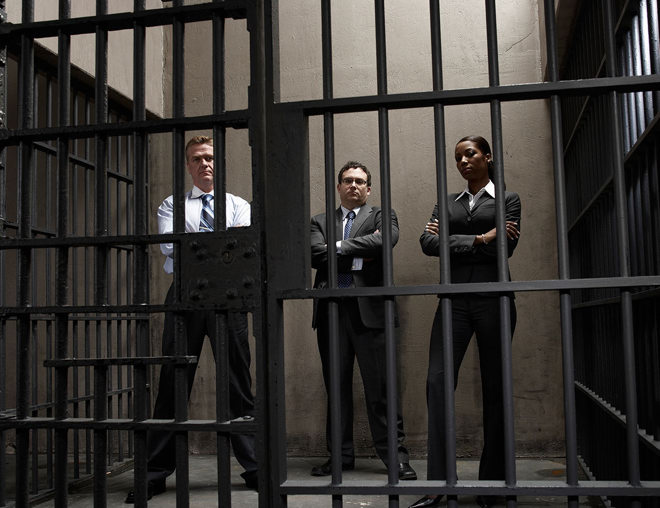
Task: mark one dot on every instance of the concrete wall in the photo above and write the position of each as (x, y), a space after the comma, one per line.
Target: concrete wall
(528, 166)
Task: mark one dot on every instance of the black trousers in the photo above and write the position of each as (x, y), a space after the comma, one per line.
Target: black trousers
(477, 315)
(198, 324)
(368, 345)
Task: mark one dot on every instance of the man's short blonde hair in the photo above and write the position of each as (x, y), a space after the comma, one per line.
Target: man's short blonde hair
(198, 140)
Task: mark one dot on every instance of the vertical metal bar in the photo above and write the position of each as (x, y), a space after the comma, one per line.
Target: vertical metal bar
(62, 256)
(654, 44)
(388, 277)
(181, 370)
(26, 101)
(636, 70)
(220, 224)
(444, 258)
(334, 405)
(3, 214)
(624, 258)
(48, 288)
(646, 51)
(219, 131)
(140, 257)
(222, 406)
(565, 303)
(101, 252)
(75, 281)
(100, 436)
(87, 298)
(502, 254)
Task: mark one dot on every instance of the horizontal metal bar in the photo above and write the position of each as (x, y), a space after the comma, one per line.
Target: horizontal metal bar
(237, 119)
(498, 488)
(505, 93)
(126, 360)
(104, 317)
(7, 312)
(130, 425)
(481, 287)
(11, 413)
(235, 9)
(117, 240)
(619, 417)
(81, 162)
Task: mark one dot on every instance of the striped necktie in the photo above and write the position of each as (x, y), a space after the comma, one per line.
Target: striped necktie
(206, 218)
(344, 280)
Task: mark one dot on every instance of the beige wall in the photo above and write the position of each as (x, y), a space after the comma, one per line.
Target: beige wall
(528, 166)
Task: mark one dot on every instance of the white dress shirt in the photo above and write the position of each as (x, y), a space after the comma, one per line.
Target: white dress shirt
(238, 215)
(489, 188)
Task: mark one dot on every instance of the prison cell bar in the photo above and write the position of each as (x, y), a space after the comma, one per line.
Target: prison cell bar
(140, 260)
(26, 94)
(3, 214)
(440, 147)
(624, 259)
(220, 224)
(502, 255)
(180, 347)
(565, 304)
(333, 393)
(388, 277)
(61, 298)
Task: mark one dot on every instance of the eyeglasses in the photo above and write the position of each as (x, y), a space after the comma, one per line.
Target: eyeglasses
(358, 181)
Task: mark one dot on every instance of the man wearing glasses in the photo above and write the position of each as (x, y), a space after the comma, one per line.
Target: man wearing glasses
(361, 320)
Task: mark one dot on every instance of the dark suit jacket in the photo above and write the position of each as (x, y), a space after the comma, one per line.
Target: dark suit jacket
(472, 263)
(364, 243)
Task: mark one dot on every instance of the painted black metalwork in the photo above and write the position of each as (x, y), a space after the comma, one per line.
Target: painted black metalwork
(596, 207)
(565, 310)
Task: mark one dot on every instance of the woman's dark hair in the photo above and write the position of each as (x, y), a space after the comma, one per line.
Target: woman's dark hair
(484, 147)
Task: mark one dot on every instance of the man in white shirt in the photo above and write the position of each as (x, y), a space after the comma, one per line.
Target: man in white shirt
(199, 205)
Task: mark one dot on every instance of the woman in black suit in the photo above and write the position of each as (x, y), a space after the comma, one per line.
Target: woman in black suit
(473, 256)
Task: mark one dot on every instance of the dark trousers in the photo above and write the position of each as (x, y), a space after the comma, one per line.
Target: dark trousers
(477, 315)
(198, 324)
(368, 345)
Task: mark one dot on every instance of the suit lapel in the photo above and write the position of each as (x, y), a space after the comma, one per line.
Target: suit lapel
(482, 199)
(365, 211)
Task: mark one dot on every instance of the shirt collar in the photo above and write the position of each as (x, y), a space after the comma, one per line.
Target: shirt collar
(344, 211)
(489, 188)
(197, 192)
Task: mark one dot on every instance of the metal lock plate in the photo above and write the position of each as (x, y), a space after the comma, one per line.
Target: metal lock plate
(220, 270)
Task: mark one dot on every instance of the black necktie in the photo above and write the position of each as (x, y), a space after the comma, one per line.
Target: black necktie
(344, 280)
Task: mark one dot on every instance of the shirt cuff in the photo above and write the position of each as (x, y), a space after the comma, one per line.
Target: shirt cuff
(338, 246)
(357, 264)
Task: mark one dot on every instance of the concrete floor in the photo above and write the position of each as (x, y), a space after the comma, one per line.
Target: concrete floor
(203, 485)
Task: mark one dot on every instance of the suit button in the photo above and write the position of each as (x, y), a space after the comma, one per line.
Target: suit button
(469, 219)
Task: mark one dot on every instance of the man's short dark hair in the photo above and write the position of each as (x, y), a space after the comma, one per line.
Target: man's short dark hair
(356, 165)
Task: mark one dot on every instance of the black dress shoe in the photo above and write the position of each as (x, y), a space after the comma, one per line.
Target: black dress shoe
(325, 469)
(486, 501)
(406, 472)
(426, 501)
(154, 487)
(251, 480)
